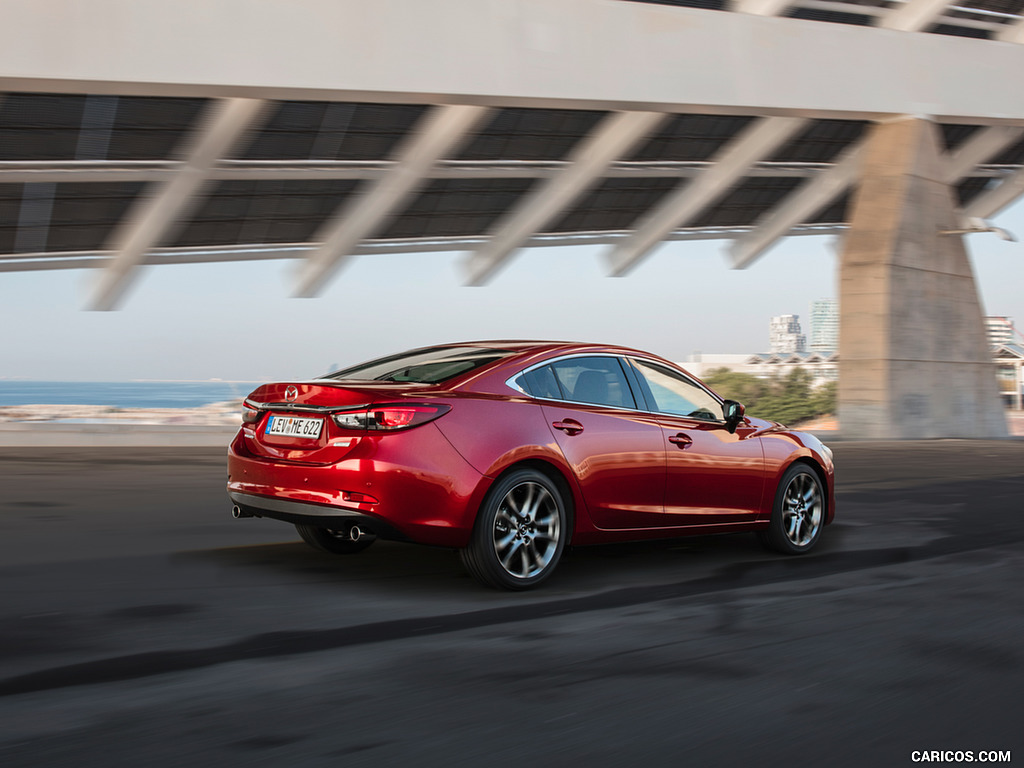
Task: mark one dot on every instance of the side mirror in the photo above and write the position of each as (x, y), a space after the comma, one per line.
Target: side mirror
(733, 413)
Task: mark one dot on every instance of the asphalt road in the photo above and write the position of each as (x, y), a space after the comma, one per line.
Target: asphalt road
(140, 625)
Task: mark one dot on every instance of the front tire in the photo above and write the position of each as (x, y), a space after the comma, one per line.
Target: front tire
(520, 532)
(798, 515)
(337, 542)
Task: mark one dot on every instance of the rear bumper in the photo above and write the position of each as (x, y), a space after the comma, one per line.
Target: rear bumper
(304, 513)
(411, 486)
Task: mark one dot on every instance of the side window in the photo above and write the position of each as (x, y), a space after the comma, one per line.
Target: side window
(675, 394)
(597, 380)
(540, 382)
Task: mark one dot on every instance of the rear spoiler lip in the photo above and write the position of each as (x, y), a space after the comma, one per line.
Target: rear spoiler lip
(301, 408)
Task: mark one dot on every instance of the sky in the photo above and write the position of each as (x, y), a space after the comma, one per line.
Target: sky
(237, 322)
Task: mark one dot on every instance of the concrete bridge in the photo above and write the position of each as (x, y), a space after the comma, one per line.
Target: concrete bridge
(148, 132)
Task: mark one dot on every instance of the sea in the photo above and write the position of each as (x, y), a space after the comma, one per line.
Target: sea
(124, 394)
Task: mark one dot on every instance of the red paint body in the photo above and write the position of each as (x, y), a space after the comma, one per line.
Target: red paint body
(630, 473)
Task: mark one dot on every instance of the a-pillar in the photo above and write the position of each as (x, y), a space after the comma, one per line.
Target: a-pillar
(914, 358)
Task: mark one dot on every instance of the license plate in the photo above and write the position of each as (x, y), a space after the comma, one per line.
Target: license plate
(294, 426)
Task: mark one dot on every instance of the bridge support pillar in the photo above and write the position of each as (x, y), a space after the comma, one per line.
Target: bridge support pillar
(913, 353)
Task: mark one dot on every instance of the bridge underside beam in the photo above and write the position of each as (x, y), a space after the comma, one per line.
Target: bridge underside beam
(442, 130)
(155, 214)
(616, 135)
(914, 357)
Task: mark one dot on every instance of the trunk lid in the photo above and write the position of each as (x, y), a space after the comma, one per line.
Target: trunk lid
(332, 394)
(291, 421)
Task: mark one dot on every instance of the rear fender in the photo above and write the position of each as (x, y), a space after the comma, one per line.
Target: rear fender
(520, 435)
(558, 472)
(547, 461)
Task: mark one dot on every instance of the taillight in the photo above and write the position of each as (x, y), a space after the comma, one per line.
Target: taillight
(390, 417)
(249, 414)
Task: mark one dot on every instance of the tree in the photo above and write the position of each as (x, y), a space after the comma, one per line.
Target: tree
(826, 398)
(790, 399)
(733, 385)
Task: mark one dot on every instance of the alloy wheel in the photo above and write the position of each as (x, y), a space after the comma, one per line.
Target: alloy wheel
(526, 530)
(802, 510)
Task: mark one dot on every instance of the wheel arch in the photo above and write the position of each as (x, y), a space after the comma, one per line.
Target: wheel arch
(819, 472)
(555, 475)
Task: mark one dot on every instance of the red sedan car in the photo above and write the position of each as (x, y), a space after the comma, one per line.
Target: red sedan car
(512, 450)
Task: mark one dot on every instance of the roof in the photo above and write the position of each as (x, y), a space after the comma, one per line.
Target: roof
(792, 358)
(1009, 351)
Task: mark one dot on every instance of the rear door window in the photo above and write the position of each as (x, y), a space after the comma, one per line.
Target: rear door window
(596, 380)
(540, 382)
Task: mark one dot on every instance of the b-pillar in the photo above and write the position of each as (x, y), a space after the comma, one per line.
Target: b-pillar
(914, 358)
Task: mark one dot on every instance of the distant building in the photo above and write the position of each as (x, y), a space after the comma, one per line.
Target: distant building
(1009, 360)
(823, 368)
(824, 326)
(785, 335)
(1000, 330)
(700, 364)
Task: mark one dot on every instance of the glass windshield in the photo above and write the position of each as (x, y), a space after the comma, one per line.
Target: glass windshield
(422, 366)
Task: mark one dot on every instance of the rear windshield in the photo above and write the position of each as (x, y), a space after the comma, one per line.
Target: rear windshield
(423, 366)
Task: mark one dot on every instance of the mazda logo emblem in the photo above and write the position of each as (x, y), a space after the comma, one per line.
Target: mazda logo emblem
(291, 393)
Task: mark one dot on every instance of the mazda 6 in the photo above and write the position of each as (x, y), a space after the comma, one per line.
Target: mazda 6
(511, 451)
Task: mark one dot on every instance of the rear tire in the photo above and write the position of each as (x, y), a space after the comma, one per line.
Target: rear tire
(798, 515)
(337, 542)
(520, 532)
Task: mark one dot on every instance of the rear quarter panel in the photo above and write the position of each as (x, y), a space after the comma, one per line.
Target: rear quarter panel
(493, 433)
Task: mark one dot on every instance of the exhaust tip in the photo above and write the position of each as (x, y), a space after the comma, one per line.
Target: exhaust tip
(237, 512)
(355, 533)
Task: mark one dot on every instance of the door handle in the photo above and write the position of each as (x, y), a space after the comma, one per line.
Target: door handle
(681, 440)
(569, 426)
